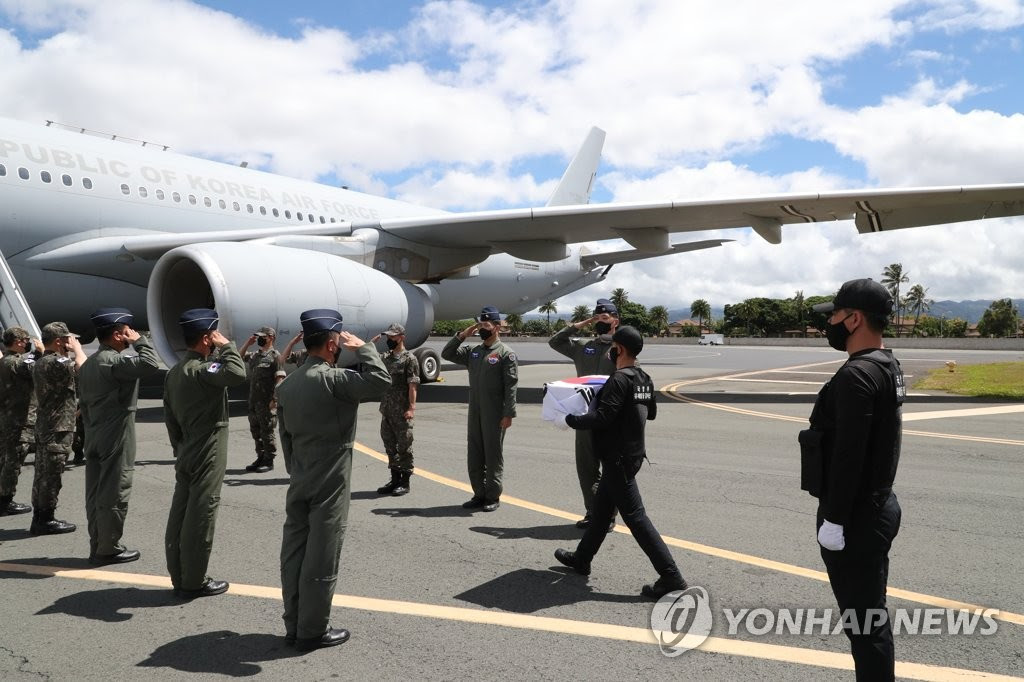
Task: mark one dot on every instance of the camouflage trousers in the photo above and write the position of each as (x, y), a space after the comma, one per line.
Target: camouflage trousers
(51, 455)
(13, 451)
(396, 432)
(262, 425)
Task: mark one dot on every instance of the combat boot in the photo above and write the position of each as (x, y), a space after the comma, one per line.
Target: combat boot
(8, 507)
(663, 585)
(390, 486)
(403, 484)
(43, 523)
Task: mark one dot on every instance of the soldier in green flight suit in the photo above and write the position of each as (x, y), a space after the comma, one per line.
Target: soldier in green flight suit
(317, 407)
(590, 357)
(196, 416)
(109, 386)
(493, 376)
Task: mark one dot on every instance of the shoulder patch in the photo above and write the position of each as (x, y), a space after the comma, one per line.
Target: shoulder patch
(213, 368)
(589, 350)
(63, 358)
(492, 359)
(475, 354)
(512, 357)
(28, 361)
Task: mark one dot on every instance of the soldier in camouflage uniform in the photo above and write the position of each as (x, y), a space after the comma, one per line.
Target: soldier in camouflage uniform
(55, 378)
(264, 374)
(590, 356)
(17, 415)
(397, 408)
(293, 357)
(493, 379)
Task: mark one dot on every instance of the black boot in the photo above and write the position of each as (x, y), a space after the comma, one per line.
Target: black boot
(403, 484)
(390, 486)
(663, 585)
(8, 507)
(43, 523)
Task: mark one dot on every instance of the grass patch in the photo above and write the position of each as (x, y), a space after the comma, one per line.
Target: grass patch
(996, 380)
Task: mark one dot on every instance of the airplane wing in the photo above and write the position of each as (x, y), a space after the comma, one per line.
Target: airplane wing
(615, 257)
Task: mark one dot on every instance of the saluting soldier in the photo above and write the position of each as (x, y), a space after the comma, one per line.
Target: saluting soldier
(317, 409)
(17, 414)
(590, 357)
(493, 377)
(55, 377)
(397, 409)
(196, 415)
(109, 384)
(264, 375)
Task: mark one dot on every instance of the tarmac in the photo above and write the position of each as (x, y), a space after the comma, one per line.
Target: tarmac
(432, 591)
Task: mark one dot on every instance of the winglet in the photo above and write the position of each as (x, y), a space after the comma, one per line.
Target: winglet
(574, 187)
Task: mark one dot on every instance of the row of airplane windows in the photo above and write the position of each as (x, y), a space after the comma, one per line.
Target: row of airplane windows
(160, 195)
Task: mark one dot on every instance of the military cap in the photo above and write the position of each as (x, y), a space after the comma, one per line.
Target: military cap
(605, 306)
(394, 330)
(630, 339)
(55, 330)
(865, 295)
(108, 317)
(198, 320)
(489, 314)
(266, 331)
(320, 320)
(12, 334)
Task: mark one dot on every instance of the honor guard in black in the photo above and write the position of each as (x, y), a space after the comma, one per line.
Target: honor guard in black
(109, 388)
(196, 416)
(616, 421)
(590, 356)
(848, 461)
(317, 409)
(493, 379)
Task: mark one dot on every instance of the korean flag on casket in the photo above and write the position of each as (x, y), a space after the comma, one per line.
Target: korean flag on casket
(570, 396)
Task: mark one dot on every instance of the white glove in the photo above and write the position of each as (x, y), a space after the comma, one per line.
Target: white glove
(559, 423)
(830, 536)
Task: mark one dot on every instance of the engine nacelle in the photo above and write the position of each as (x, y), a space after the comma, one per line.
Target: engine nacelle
(251, 285)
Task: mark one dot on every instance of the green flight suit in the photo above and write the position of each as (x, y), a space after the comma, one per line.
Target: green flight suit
(590, 357)
(196, 415)
(317, 407)
(109, 387)
(493, 377)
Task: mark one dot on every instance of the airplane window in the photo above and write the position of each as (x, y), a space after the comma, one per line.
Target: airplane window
(234, 205)
(87, 183)
(333, 220)
(125, 189)
(222, 203)
(276, 214)
(160, 194)
(45, 176)
(248, 207)
(207, 202)
(23, 173)
(322, 220)
(263, 210)
(299, 216)
(192, 199)
(176, 196)
(287, 214)
(3, 170)
(66, 179)
(143, 192)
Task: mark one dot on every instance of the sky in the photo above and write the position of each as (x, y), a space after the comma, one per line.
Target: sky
(472, 105)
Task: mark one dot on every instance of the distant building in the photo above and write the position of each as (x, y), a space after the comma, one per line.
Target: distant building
(680, 327)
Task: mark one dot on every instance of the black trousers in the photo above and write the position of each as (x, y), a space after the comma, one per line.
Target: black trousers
(859, 574)
(618, 490)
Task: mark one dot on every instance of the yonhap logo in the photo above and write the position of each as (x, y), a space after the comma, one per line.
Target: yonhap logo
(681, 620)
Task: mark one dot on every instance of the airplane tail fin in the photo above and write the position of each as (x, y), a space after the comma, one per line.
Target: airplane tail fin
(578, 179)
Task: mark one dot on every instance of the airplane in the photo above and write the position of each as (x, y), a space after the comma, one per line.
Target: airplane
(91, 220)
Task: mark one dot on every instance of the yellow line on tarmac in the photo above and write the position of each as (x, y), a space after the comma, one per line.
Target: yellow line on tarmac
(740, 557)
(717, 645)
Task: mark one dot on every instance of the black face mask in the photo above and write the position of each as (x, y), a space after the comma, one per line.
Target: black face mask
(392, 344)
(613, 355)
(261, 341)
(337, 354)
(602, 327)
(837, 334)
(485, 333)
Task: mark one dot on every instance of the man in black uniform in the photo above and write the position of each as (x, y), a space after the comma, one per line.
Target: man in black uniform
(850, 455)
(617, 417)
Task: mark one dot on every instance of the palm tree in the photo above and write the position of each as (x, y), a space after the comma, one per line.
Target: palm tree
(580, 313)
(917, 300)
(700, 309)
(892, 277)
(798, 303)
(658, 316)
(620, 297)
(514, 321)
(548, 308)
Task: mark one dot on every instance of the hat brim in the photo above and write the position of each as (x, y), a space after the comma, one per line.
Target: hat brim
(824, 307)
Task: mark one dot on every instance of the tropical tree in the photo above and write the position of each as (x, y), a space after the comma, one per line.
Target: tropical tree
(620, 297)
(658, 315)
(580, 313)
(999, 319)
(700, 309)
(918, 302)
(798, 305)
(892, 277)
(515, 323)
(549, 307)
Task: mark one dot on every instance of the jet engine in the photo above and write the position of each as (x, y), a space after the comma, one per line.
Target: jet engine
(251, 285)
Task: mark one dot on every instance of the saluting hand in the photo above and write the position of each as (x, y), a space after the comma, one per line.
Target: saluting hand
(130, 335)
(218, 339)
(351, 341)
